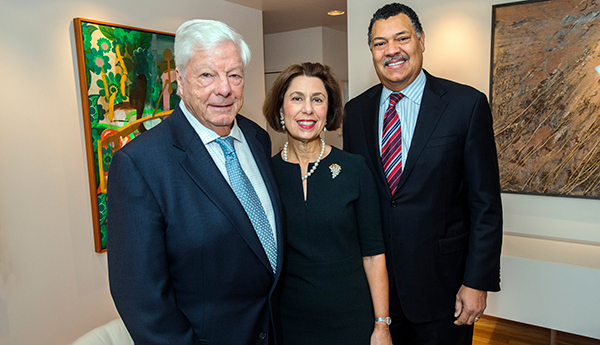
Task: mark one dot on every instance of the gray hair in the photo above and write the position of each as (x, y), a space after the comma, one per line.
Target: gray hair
(201, 34)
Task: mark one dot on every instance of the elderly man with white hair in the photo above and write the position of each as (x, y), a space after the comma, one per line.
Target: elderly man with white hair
(195, 228)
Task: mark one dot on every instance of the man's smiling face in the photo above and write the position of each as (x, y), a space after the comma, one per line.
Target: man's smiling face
(397, 51)
(212, 88)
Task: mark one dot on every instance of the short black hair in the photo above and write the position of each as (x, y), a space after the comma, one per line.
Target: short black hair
(394, 9)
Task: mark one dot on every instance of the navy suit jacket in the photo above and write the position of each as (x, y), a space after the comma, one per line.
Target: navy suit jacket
(443, 226)
(185, 264)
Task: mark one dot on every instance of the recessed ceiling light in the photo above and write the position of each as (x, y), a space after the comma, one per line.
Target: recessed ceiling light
(335, 13)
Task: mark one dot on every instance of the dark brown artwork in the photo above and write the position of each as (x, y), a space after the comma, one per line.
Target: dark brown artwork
(545, 84)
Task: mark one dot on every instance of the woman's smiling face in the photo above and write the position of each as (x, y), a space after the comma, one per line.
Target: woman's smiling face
(304, 109)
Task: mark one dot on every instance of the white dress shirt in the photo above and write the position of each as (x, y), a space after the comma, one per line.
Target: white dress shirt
(242, 150)
(407, 109)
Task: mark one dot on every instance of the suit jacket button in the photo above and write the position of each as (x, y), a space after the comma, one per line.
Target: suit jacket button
(262, 335)
(393, 203)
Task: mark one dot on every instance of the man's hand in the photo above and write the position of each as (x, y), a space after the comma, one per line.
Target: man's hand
(470, 304)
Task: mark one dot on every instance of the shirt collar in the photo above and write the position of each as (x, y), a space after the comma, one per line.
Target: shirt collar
(208, 135)
(413, 92)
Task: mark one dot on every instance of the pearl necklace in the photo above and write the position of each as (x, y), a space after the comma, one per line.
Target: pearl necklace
(312, 170)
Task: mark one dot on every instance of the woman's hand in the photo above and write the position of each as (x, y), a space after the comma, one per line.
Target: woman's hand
(381, 334)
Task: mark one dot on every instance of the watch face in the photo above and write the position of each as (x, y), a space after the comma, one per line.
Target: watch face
(387, 320)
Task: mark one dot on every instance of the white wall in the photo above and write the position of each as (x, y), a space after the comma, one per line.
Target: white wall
(335, 52)
(551, 254)
(53, 286)
(318, 44)
(287, 48)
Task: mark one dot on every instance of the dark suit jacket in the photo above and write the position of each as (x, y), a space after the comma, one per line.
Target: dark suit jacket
(185, 264)
(443, 226)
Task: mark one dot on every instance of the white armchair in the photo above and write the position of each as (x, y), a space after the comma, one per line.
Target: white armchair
(111, 333)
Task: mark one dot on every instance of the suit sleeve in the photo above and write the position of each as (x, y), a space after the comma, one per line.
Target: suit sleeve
(346, 129)
(137, 259)
(368, 215)
(482, 270)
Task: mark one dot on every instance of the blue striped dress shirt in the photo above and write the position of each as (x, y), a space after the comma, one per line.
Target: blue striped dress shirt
(408, 111)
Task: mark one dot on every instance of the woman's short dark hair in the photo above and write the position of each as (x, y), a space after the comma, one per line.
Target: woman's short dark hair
(274, 100)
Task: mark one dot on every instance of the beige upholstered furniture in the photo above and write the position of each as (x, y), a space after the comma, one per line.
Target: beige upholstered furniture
(111, 333)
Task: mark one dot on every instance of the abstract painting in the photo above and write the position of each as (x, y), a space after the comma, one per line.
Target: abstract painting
(544, 91)
(128, 85)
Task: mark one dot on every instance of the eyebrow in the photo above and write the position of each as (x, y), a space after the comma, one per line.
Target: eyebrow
(403, 32)
(302, 93)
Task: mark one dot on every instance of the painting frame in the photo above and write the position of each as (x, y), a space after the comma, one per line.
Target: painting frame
(126, 88)
(543, 71)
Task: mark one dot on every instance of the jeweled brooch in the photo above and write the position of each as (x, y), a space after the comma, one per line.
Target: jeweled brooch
(335, 170)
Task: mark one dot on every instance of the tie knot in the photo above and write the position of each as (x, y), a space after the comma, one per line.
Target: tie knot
(395, 98)
(226, 144)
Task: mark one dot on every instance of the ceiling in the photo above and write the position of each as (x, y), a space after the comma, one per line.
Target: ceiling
(288, 15)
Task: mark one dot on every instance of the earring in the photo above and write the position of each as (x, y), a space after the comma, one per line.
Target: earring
(281, 120)
(325, 127)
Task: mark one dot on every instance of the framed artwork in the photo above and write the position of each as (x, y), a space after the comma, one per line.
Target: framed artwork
(545, 99)
(128, 85)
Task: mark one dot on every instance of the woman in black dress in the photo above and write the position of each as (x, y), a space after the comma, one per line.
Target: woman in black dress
(334, 284)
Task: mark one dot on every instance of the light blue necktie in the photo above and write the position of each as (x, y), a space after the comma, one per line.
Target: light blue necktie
(247, 195)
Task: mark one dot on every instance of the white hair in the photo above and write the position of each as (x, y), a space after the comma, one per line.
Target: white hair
(201, 34)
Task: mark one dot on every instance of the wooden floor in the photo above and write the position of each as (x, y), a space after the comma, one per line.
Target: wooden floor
(491, 330)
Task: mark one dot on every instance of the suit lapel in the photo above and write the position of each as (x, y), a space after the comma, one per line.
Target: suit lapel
(371, 126)
(198, 164)
(432, 107)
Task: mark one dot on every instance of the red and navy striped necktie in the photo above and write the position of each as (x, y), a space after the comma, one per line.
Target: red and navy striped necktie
(391, 143)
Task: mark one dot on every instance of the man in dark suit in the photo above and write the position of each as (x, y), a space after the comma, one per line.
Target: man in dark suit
(429, 142)
(195, 237)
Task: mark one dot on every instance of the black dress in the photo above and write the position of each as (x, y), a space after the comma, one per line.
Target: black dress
(325, 297)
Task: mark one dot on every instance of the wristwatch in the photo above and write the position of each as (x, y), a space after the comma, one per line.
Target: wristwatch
(387, 320)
